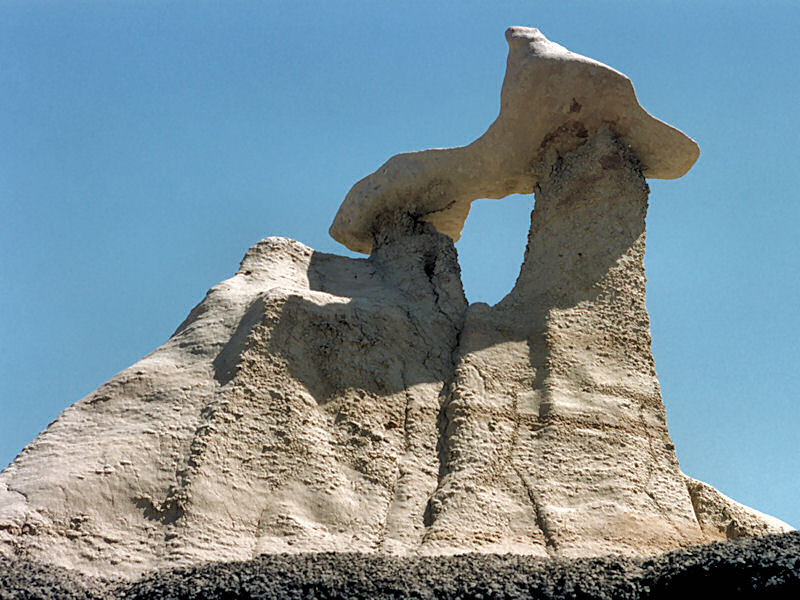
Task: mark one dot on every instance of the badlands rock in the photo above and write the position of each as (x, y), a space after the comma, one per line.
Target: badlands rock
(320, 403)
(556, 438)
(551, 99)
(296, 409)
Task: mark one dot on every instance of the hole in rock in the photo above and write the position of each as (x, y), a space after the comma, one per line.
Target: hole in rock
(492, 246)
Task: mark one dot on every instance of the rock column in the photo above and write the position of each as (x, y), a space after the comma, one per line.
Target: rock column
(556, 429)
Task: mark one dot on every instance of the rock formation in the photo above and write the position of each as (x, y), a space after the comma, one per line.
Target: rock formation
(320, 403)
(551, 100)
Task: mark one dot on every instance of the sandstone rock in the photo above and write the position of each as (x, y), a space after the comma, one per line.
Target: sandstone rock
(320, 403)
(725, 519)
(557, 439)
(315, 403)
(294, 410)
(551, 99)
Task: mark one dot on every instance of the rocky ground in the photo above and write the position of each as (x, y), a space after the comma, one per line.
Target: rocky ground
(767, 567)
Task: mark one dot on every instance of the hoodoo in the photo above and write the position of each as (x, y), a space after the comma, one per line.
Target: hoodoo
(317, 403)
(551, 100)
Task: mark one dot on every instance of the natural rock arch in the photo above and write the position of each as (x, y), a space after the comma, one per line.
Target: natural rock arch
(314, 402)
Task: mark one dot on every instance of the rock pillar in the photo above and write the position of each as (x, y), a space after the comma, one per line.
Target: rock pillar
(556, 430)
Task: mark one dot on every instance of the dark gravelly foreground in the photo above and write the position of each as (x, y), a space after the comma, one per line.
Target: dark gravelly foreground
(763, 568)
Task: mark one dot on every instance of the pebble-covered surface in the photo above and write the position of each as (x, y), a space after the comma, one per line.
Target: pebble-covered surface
(763, 568)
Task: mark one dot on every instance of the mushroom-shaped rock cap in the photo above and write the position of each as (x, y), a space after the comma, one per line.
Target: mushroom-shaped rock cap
(552, 100)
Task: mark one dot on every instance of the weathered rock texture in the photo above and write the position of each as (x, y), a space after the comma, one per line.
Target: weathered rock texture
(296, 409)
(319, 403)
(322, 403)
(556, 429)
(550, 97)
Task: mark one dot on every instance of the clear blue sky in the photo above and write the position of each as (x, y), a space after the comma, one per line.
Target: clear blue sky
(146, 145)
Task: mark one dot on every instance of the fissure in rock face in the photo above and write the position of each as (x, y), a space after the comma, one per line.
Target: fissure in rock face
(315, 403)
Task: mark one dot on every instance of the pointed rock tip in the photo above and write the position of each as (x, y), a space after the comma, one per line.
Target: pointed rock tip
(516, 33)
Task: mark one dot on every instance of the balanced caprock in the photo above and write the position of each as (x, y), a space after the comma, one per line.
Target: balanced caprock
(316, 403)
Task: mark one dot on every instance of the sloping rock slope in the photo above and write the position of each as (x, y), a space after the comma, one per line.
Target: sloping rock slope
(317, 403)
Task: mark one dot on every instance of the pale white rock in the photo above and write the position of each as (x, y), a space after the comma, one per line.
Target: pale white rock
(551, 99)
(314, 402)
(556, 439)
(725, 519)
(296, 409)
(321, 403)
(97, 482)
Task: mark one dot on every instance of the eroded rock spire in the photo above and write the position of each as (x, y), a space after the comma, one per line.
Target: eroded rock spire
(550, 97)
(558, 434)
(316, 403)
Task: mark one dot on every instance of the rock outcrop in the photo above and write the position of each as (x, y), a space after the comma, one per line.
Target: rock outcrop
(296, 409)
(556, 418)
(551, 98)
(320, 403)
